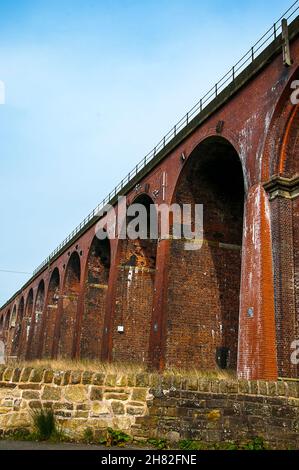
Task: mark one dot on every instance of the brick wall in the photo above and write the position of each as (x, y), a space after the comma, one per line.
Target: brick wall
(96, 287)
(70, 298)
(50, 315)
(204, 285)
(283, 255)
(134, 301)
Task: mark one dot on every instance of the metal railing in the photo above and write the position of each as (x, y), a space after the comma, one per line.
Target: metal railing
(227, 79)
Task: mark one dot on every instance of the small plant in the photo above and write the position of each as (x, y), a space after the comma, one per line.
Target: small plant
(45, 424)
(160, 444)
(18, 435)
(257, 443)
(88, 436)
(116, 438)
(188, 444)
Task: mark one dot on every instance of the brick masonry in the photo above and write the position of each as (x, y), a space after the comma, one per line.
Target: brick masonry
(152, 406)
(176, 307)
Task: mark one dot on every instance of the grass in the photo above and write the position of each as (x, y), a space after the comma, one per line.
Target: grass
(120, 368)
(45, 426)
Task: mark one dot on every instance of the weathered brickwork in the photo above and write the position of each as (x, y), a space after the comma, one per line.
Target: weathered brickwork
(283, 252)
(234, 302)
(70, 298)
(134, 301)
(203, 317)
(204, 285)
(151, 406)
(36, 323)
(50, 315)
(96, 287)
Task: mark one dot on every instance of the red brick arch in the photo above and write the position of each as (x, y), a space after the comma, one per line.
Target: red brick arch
(209, 316)
(280, 140)
(18, 327)
(51, 313)
(282, 168)
(69, 309)
(36, 321)
(94, 293)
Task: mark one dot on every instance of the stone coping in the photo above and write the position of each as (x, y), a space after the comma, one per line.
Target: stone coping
(13, 375)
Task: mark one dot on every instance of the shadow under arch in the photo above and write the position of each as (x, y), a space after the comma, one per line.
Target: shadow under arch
(25, 328)
(134, 291)
(95, 297)
(18, 328)
(36, 323)
(51, 311)
(204, 285)
(1, 325)
(70, 298)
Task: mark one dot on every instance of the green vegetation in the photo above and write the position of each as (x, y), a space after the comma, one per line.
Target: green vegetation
(45, 425)
(88, 436)
(160, 444)
(115, 438)
(257, 443)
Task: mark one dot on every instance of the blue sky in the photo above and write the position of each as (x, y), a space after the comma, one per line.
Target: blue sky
(91, 86)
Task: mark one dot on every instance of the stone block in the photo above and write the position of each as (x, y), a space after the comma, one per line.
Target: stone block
(117, 407)
(87, 378)
(48, 376)
(75, 393)
(36, 375)
(76, 377)
(135, 410)
(30, 395)
(116, 396)
(98, 378)
(51, 393)
(96, 393)
(25, 374)
(8, 373)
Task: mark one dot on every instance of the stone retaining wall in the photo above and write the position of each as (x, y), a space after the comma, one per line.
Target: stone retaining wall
(145, 405)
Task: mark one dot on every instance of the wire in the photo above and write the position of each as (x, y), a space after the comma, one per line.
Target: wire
(13, 272)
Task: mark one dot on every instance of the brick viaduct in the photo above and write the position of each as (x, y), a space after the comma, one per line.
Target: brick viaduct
(238, 295)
